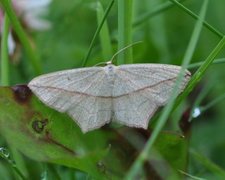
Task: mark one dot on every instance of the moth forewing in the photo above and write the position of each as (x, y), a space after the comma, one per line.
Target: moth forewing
(91, 96)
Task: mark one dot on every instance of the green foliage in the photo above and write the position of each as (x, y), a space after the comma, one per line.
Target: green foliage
(38, 142)
(4, 54)
(45, 135)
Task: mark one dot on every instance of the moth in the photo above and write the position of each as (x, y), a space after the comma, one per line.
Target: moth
(94, 96)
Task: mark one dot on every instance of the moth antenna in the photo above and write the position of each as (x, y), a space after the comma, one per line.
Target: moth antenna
(104, 63)
(121, 50)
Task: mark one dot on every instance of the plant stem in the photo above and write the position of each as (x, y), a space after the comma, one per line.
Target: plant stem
(4, 153)
(208, 164)
(125, 30)
(4, 53)
(213, 102)
(104, 34)
(97, 33)
(166, 111)
(219, 34)
(200, 72)
(160, 8)
(198, 64)
(22, 36)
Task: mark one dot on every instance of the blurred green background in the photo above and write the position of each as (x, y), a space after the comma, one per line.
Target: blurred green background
(165, 36)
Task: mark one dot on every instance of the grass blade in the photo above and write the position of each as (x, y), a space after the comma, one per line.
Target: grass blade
(166, 111)
(97, 33)
(191, 176)
(104, 34)
(22, 36)
(4, 53)
(215, 31)
(213, 102)
(125, 31)
(215, 169)
(198, 64)
(200, 72)
(6, 155)
(145, 16)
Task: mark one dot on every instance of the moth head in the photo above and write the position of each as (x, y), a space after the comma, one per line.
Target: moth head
(110, 68)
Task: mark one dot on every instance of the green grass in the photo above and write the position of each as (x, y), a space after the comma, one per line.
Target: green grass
(22, 36)
(125, 31)
(101, 23)
(186, 33)
(135, 168)
(5, 154)
(4, 53)
(104, 34)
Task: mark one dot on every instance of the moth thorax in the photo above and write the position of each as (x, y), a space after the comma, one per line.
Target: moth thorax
(110, 71)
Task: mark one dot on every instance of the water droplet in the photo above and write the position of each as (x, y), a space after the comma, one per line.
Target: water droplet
(44, 175)
(196, 112)
(4, 152)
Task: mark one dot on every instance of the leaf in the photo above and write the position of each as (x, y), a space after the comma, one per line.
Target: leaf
(173, 149)
(43, 134)
(168, 155)
(46, 135)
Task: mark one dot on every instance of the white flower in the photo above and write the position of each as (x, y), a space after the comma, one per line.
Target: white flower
(30, 12)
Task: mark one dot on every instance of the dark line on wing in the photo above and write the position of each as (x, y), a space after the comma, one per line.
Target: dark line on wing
(76, 92)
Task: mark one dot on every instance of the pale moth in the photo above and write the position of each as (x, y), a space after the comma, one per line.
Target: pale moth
(93, 96)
